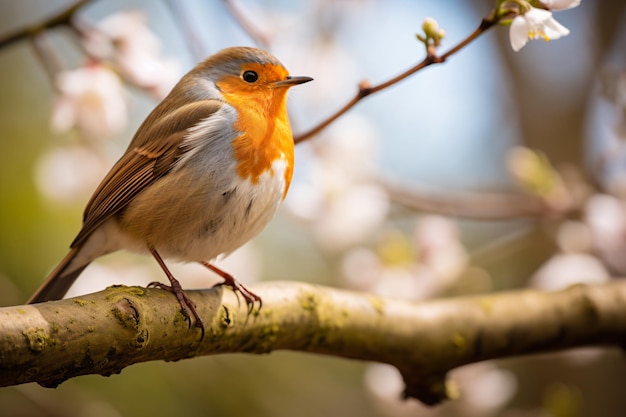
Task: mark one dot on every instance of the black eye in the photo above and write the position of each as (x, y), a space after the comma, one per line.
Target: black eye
(250, 76)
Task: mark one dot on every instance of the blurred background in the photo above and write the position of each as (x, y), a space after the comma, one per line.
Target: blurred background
(483, 134)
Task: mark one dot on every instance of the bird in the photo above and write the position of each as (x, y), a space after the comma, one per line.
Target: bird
(205, 172)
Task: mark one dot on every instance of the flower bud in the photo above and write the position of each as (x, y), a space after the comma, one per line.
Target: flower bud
(430, 28)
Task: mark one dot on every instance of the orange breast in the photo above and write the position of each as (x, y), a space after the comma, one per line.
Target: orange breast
(265, 135)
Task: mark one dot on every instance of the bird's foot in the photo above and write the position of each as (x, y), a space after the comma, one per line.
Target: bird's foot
(250, 297)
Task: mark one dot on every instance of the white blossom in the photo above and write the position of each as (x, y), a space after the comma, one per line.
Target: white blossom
(606, 217)
(484, 387)
(339, 199)
(564, 270)
(560, 4)
(352, 215)
(535, 24)
(439, 248)
(91, 99)
(68, 175)
(126, 38)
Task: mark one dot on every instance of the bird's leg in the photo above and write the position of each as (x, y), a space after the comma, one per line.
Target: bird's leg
(185, 302)
(237, 287)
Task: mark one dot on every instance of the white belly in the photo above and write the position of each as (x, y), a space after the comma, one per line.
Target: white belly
(190, 219)
(248, 211)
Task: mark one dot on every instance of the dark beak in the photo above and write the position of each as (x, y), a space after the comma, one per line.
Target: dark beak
(291, 81)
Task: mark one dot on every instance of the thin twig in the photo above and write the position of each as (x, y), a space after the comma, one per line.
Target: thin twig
(476, 206)
(48, 57)
(197, 46)
(81, 28)
(254, 32)
(64, 17)
(365, 89)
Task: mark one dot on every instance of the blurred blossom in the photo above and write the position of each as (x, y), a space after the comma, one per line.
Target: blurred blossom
(333, 68)
(606, 217)
(157, 75)
(439, 248)
(361, 269)
(350, 217)
(410, 270)
(384, 380)
(395, 248)
(92, 99)
(305, 202)
(535, 24)
(484, 387)
(560, 4)
(384, 383)
(345, 154)
(396, 282)
(126, 38)
(564, 270)
(69, 175)
(339, 198)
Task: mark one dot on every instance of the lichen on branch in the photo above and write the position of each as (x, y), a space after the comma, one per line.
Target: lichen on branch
(104, 332)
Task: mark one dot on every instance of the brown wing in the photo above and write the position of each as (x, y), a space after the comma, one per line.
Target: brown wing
(141, 166)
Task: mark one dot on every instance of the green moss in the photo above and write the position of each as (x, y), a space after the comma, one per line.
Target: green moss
(377, 304)
(452, 390)
(116, 290)
(268, 337)
(460, 342)
(38, 339)
(140, 291)
(486, 304)
(309, 302)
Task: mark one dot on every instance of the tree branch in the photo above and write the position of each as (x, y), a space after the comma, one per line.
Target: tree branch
(365, 89)
(104, 332)
(64, 17)
(472, 205)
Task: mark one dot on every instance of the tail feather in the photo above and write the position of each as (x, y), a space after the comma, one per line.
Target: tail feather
(60, 280)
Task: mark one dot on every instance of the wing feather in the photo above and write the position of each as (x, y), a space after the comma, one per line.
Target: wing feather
(142, 165)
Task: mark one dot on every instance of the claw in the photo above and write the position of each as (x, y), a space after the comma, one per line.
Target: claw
(186, 305)
(250, 297)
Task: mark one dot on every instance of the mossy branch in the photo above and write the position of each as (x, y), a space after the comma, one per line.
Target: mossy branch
(104, 332)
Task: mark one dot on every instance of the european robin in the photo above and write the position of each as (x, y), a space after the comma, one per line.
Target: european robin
(205, 172)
